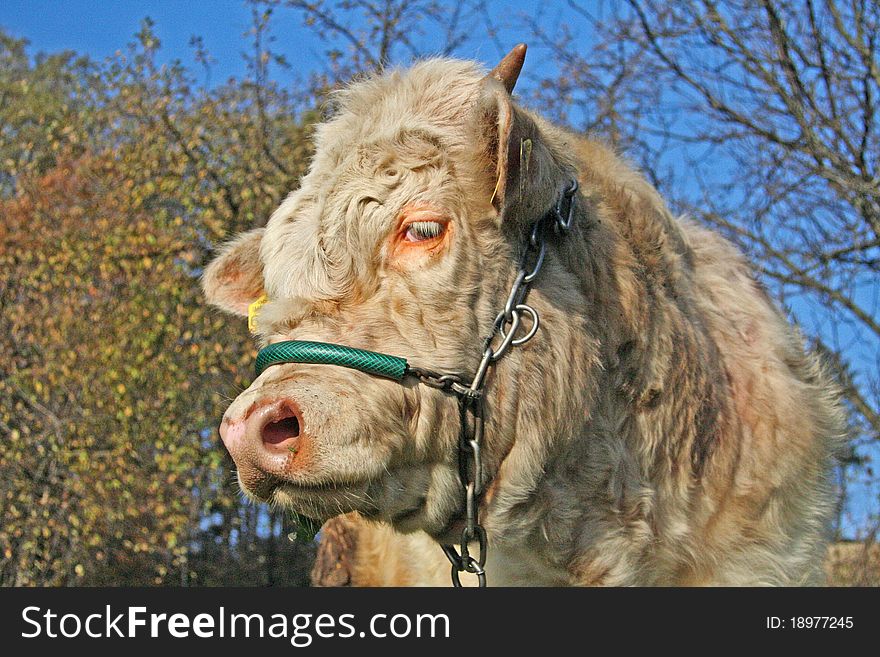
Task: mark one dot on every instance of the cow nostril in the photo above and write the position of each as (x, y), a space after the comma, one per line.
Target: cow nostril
(282, 429)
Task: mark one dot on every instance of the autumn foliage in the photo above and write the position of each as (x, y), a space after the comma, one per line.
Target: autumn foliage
(112, 382)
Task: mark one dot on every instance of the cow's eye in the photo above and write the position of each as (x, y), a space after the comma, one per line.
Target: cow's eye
(420, 231)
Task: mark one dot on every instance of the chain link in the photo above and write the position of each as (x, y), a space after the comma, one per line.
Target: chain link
(506, 325)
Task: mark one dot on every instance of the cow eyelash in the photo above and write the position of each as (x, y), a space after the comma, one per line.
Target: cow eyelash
(420, 231)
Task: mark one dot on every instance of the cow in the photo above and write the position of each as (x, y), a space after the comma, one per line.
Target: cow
(598, 392)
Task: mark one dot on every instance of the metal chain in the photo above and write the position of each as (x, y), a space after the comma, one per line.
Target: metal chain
(470, 396)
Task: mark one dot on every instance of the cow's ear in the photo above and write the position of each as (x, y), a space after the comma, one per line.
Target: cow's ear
(525, 175)
(234, 279)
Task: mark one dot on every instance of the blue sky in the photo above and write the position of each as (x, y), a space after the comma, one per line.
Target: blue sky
(101, 28)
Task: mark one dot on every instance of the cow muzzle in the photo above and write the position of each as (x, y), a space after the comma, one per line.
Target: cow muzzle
(314, 440)
(268, 443)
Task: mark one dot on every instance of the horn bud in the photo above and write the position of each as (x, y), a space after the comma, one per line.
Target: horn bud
(508, 68)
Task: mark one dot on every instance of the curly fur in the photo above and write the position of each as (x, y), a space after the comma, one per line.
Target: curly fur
(665, 427)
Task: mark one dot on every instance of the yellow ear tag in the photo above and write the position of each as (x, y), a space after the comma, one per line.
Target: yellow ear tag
(253, 309)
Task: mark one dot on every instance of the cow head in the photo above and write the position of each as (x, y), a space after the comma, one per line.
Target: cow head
(402, 238)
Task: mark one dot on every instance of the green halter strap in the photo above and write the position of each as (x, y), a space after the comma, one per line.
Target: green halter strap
(325, 353)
